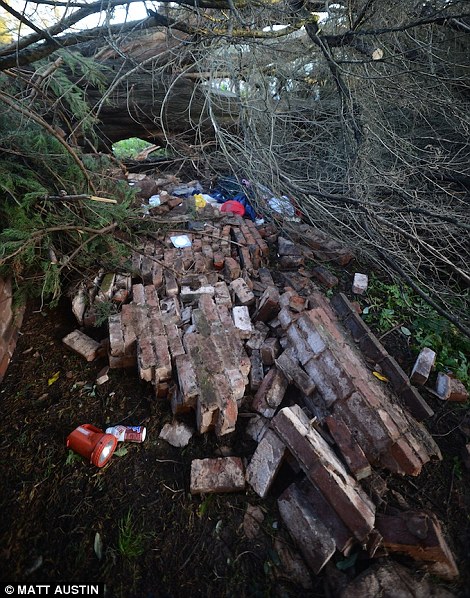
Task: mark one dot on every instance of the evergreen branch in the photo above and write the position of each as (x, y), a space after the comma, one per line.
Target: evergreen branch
(9, 101)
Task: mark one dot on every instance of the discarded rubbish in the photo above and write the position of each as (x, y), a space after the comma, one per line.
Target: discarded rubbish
(92, 443)
(233, 206)
(187, 190)
(128, 433)
(181, 241)
(199, 201)
(282, 205)
(154, 201)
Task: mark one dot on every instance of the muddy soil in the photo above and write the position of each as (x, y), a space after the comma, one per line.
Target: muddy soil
(156, 539)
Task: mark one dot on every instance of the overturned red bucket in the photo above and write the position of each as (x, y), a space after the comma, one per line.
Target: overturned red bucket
(92, 443)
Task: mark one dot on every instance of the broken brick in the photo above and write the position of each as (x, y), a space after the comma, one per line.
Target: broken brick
(242, 321)
(217, 475)
(265, 463)
(450, 389)
(353, 455)
(268, 306)
(325, 471)
(270, 394)
(360, 283)
(423, 366)
(270, 349)
(324, 276)
(308, 531)
(243, 294)
(294, 373)
(231, 269)
(256, 372)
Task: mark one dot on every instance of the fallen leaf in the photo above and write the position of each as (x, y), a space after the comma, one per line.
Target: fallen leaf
(53, 379)
(380, 376)
(98, 546)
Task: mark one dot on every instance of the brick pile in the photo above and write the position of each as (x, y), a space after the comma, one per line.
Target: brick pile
(215, 331)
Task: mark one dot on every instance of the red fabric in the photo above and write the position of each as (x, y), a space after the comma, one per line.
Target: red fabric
(233, 206)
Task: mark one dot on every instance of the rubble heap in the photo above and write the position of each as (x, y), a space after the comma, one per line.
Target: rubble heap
(215, 331)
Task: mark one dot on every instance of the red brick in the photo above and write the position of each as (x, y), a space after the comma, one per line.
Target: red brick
(270, 349)
(294, 373)
(151, 297)
(451, 389)
(268, 306)
(82, 344)
(218, 260)
(231, 269)
(146, 359)
(270, 394)
(415, 403)
(325, 277)
(116, 338)
(353, 455)
(398, 378)
(307, 530)
(242, 321)
(418, 535)
(162, 357)
(291, 262)
(217, 475)
(325, 471)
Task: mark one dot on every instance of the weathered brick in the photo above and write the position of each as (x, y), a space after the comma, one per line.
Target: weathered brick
(146, 359)
(423, 366)
(418, 535)
(222, 294)
(217, 475)
(138, 295)
(342, 305)
(187, 379)
(356, 326)
(451, 389)
(268, 306)
(174, 340)
(299, 343)
(82, 344)
(291, 262)
(116, 337)
(242, 321)
(171, 286)
(270, 349)
(231, 269)
(372, 348)
(415, 403)
(151, 297)
(287, 247)
(265, 277)
(188, 295)
(265, 463)
(307, 530)
(294, 373)
(256, 372)
(324, 276)
(312, 334)
(243, 294)
(353, 455)
(325, 471)
(360, 283)
(391, 369)
(270, 394)
(162, 358)
(177, 434)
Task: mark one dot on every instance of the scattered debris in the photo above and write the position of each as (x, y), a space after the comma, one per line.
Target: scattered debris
(82, 344)
(177, 434)
(360, 283)
(128, 433)
(225, 474)
(450, 389)
(102, 376)
(423, 366)
(252, 521)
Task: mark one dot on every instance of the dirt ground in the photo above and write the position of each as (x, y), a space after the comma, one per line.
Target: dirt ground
(156, 539)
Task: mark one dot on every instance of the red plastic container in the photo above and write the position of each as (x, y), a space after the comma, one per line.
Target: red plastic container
(233, 206)
(92, 443)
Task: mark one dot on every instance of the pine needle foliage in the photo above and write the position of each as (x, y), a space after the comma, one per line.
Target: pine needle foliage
(44, 242)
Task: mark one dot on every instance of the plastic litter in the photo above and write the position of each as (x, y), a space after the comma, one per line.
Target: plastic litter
(128, 433)
(187, 190)
(282, 205)
(154, 201)
(181, 241)
(199, 201)
(233, 206)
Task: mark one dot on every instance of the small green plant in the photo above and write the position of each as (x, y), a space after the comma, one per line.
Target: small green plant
(129, 148)
(72, 458)
(131, 542)
(397, 306)
(104, 309)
